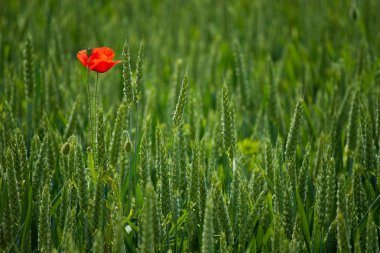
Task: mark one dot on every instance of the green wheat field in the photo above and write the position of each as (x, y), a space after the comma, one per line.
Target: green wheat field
(227, 126)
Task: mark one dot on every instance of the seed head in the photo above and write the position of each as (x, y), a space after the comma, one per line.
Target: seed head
(128, 146)
(65, 149)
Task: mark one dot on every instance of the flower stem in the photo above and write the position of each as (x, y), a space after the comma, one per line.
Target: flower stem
(95, 123)
(89, 107)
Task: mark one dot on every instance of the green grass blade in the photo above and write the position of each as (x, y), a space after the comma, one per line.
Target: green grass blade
(304, 223)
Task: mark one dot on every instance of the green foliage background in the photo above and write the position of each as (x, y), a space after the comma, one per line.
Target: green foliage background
(257, 130)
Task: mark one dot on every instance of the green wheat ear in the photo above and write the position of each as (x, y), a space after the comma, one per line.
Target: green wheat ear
(143, 171)
(274, 110)
(38, 173)
(292, 141)
(330, 209)
(241, 73)
(268, 160)
(69, 130)
(194, 198)
(33, 155)
(303, 177)
(20, 158)
(287, 214)
(359, 195)
(353, 124)
(54, 153)
(157, 214)
(279, 239)
(97, 245)
(146, 244)
(118, 244)
(277, 188)
(342, 235)
(294, 131)
(65, 204)
(223, 244)
(208, 228)
(181, 103)
(96, 212)
(166, 184)
(28, 69)
(180, 162)
(228, 123)
(13, 190)
(368, 147)
(342, 200)
(44, 232)
(221, 211)
(330, 238)
(321, 201)
(234, 204)
(116, 136)
(6, 223)
(202, 193)
(246, 218)
(81, 174)
(127, 76)
(359, 242)
(158, 151)
(297, 236)
(176, 83)
(109, 233)
(195, 116)
(176, 168)
(372, 245)
(256, 183)
(139, 73)
(294, 246)
(102, 160)
(68, 245)
(162, 173)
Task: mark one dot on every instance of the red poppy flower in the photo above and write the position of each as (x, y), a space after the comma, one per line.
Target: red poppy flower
(97, 59)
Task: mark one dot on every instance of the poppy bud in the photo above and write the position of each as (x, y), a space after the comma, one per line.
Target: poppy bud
(65, 149)
(128, 146)
(89, 52)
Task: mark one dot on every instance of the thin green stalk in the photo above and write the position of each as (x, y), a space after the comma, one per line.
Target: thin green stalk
(89, 105)
(94, 123)
(135, 146)
(366, 213)
(130, 161)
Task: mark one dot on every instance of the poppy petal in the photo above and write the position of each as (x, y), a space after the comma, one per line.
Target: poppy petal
(82, 57)
(102, 66)
(104, 52)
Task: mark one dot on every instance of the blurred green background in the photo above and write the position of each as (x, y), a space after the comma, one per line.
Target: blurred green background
(298, 33)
